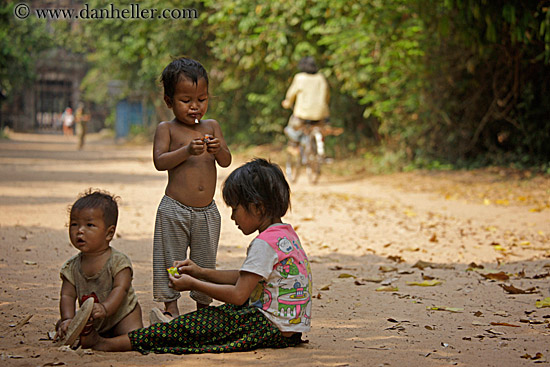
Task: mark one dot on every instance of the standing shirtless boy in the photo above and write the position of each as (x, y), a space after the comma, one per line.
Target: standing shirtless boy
(188, 148)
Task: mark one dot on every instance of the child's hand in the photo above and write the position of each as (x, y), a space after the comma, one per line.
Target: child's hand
(213, 145)
(188, 267)
(61, 329)
(180, 282)
(196, 147)
(99, 311)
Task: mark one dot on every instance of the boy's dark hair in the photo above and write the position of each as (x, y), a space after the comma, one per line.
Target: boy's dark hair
(191, 69)
(307, 65)
(99, 199)
(261, 183)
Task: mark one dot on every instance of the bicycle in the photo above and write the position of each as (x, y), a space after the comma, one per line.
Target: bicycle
(309, 153)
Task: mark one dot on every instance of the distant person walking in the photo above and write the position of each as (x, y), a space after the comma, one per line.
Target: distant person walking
(81, 125)
(67, 119)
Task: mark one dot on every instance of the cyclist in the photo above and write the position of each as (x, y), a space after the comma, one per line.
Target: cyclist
(309, 94)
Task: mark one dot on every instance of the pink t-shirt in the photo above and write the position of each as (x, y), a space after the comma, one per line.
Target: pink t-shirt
(284, 294)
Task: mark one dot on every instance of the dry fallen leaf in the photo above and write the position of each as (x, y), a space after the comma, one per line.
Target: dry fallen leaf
(338, 267)
(513, 290)
(396, 258)
(473, 266)
(541, 276)
(498, 247)
(387, 288)
(346, 275)
(450, 309)
(536, 356)
(504, 324)
(387, 268)
(405, 272)
(426, 283)
(398, 327)
(495, 276)
(533, 321)
(420, 264)
(373, 280)
(544, 303)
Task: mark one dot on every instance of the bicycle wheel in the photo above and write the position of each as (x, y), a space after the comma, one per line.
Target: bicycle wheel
(314, 162)
(293, 163)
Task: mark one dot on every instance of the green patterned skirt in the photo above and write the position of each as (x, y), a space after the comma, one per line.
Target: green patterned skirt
(221, 329)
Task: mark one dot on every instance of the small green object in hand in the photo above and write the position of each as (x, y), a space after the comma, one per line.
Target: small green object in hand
(173, 270)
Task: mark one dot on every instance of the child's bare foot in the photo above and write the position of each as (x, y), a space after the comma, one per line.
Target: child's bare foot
(92, 340)
(156, 316)
(90, 337)
(171, 308)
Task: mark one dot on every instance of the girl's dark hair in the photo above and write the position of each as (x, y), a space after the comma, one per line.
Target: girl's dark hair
(261, 183)
(191, 69)
(99, 199)
(307, 65)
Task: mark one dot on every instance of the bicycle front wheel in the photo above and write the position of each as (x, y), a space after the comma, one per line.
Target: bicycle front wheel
(314, 163)
(293, 164)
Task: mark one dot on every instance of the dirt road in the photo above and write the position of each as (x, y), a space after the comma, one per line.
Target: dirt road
(372, 305)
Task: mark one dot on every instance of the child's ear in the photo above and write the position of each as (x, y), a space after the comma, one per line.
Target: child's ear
(257, 210)
(110, 232)
(168, 101)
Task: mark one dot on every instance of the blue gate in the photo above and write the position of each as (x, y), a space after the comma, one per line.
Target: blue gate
(129, 113)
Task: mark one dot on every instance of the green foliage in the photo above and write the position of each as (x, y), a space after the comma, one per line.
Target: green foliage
(21, 42)
(433, 83)
(487, 82)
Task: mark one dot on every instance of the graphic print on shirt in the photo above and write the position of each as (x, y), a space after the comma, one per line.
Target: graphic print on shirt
(294, 286)
(261, 297)
(285, 245)
(287, 267)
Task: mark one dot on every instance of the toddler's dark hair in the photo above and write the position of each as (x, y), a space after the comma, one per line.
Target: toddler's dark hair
(261, 183)
(191, 69)
(99, 199)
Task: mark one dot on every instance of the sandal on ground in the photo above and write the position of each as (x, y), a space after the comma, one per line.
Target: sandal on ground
(78, 322)
(156, 316)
